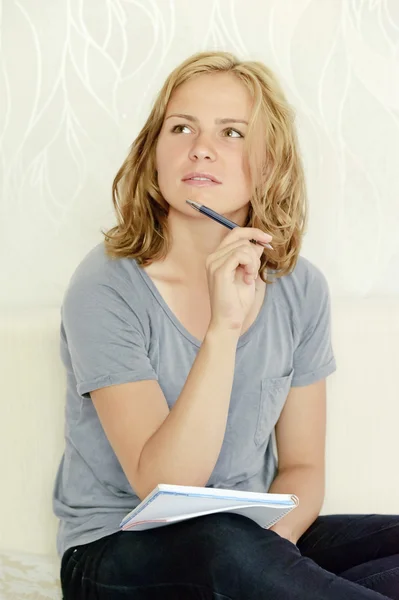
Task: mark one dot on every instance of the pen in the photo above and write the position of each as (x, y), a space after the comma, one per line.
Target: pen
(220, 219)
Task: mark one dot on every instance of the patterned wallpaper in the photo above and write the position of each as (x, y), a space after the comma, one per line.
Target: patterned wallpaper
(77, 79)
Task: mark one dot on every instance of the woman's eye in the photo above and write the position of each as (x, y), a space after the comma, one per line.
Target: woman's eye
(179, 128)
(234, 131)
(227, 132)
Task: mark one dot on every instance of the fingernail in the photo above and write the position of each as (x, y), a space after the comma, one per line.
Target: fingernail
(266, 245)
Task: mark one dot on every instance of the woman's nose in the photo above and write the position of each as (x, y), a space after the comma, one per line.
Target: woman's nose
(202, 149)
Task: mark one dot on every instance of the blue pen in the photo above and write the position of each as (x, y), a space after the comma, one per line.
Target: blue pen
(220, 219)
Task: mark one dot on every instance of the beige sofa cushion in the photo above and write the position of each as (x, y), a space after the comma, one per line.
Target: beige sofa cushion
(29, 577)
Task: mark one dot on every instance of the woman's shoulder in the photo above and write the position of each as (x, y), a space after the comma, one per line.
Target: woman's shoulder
(304, 286)
(96, 267)
(98, 276)
(303, 276)
(306, 273)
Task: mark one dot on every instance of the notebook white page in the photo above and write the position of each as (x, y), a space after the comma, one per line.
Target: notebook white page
(168, 504)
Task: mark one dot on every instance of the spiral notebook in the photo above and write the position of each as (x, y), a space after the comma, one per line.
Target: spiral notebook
(168, 504)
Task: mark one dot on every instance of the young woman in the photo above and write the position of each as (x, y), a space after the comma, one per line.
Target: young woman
(186, 346)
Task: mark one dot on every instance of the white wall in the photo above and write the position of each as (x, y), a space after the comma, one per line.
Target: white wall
(77, 79)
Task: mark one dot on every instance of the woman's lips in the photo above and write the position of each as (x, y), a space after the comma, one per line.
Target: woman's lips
(200, 182)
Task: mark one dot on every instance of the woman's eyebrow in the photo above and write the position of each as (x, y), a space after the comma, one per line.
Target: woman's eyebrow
(217, 121)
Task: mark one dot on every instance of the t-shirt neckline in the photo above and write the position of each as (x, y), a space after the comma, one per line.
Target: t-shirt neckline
(243, 339)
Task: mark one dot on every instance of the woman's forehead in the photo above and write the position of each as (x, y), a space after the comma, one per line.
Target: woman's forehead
(213, 93)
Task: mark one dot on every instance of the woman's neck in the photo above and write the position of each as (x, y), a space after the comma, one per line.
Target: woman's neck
(193, 239)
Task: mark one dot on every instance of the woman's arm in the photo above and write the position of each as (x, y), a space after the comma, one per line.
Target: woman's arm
(300, 440)
(180, 446)
(306, 482)
(184, 450)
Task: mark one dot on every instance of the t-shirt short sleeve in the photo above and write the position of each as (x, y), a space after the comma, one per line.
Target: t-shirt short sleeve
(105, 338)
(313, 356)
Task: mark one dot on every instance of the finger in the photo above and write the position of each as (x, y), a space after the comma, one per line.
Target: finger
(246, 233)
(225, 266)
(223, 251)
(217, 258)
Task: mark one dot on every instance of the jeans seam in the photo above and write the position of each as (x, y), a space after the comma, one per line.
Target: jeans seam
(73, 560)
(156, 585)
(371, 577)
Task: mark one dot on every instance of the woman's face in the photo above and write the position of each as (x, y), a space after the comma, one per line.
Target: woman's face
(203, 132)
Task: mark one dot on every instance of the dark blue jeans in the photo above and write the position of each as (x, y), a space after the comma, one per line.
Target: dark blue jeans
(229, 557)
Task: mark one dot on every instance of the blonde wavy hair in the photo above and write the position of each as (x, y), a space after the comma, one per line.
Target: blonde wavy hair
(278, 203)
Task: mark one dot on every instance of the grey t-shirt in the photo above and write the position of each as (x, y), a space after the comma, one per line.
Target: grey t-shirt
(116, 328)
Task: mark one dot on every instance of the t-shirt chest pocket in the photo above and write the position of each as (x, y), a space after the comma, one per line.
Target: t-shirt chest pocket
(273, 394)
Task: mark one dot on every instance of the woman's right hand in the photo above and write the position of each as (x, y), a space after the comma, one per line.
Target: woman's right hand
(232, 270)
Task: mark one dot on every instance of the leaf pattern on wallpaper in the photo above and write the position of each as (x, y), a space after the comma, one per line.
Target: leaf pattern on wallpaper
(77, 79)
